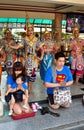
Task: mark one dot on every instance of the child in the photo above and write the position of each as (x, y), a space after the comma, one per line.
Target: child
(19, 93)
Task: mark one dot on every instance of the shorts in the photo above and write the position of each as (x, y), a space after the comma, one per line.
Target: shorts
(8, 97)
(18, 95)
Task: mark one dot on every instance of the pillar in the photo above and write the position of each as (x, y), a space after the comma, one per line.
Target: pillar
(58, 23)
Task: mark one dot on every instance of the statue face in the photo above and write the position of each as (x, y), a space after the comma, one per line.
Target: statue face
(8, 35)
(76, 32)
(30, 31)
(47, 36)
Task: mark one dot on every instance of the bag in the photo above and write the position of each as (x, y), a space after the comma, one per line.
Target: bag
(62, 96)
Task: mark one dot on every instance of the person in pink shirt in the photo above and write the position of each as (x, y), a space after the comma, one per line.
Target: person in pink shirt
(76, 46)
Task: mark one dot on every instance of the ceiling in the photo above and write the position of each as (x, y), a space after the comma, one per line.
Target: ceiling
(51, 6)
(45, 9)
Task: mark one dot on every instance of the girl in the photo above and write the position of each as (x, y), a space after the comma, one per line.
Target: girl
(18, 68)
(18, 93)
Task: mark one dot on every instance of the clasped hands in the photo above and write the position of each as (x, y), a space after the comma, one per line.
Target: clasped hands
(62, 83)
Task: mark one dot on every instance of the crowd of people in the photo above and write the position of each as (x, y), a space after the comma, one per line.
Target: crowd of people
(56, 76)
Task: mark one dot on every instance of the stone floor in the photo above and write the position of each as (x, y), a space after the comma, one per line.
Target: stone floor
(72, 118)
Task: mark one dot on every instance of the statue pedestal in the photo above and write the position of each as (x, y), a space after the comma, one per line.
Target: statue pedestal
(3, 87)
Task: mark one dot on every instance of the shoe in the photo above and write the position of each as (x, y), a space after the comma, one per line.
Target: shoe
(33, 106)
(38, 106)
(10, 112)
(25, 107)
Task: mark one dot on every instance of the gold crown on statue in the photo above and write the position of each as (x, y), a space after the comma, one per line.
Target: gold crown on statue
(46, 31)
(7, 30)
(29, 25)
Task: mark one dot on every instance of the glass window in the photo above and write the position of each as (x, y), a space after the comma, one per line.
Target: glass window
(23, 20)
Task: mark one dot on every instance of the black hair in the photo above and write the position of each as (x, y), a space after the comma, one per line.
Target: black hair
(21, 76)
(59, 55)
(17, 66)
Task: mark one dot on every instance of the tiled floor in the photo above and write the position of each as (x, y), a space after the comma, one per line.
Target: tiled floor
(70, 119)
(72, 116)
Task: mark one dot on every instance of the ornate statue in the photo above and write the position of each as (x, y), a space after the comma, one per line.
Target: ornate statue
(47, 49)
(76, 45)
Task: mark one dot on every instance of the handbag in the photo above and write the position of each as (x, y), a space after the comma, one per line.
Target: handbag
(62, 96)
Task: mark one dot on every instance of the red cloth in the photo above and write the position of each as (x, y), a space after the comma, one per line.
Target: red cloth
(24, 115)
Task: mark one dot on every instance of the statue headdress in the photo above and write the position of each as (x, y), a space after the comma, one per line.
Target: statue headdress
(28, 24)
(7, 30)
(46, 31)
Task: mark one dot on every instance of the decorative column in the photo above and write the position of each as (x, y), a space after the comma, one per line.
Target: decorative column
(58, 23)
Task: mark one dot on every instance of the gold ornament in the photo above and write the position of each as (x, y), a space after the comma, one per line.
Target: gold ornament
(29, 25)
(46, 31)
(31, 41)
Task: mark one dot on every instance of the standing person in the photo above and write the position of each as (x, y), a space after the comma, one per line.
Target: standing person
(8, 50)
(47, 49)
(18, 68)
(30, 44)
(60, 81)
(76, 46)
(18, 92)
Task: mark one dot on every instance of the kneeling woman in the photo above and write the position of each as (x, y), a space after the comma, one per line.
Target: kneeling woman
(18, 69)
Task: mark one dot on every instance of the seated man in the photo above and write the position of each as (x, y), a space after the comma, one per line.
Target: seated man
(58, 84)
